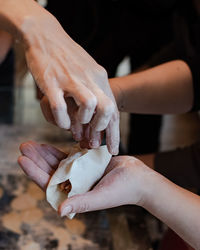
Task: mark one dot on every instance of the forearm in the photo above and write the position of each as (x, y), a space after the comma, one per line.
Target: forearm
(176, 207)
(18, 17)
(166, 88)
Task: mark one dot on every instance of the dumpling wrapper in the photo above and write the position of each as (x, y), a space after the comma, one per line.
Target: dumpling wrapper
(83, 168)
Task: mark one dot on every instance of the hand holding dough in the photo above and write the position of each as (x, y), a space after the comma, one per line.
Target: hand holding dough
(77, 174)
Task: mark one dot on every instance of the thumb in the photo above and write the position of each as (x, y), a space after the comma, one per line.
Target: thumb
(90, 201)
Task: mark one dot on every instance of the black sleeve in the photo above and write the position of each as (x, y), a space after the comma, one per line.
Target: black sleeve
(181, 166)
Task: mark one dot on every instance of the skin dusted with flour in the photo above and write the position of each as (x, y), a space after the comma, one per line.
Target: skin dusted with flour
(62, 69)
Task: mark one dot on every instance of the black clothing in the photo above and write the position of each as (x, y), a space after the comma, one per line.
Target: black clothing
(7, 89)
(112, 29)
(182, 166)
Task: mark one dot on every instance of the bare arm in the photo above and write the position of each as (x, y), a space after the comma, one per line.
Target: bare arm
(62, 69)
(175, 206)
(167, 88)
(127, 180)
(16, 14)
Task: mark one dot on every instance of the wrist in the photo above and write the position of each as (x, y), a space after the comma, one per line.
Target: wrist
(20, 17)
(141, 182)
(117, 92)
(153, 185)
(150, 184)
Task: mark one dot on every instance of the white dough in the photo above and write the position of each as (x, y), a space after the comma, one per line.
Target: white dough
(83, 168)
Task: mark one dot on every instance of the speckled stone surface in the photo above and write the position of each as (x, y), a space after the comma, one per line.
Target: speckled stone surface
(28, 222)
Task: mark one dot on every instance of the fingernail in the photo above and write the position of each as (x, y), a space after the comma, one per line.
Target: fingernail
(115, 151)
(94, 144)
(78, 137)
(67, 210)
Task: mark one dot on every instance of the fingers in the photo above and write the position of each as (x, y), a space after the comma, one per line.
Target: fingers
(112, 135)
(77, 130)
(40, 177)
(95, 138)
(48, 156)
(58, 107)
(85, 100)
(28, 149)
(46, 110)
(112, 190)
(91, 138)
(54, 151)
(90, 201)
(104, 111)
(76, 126)
(106, 117)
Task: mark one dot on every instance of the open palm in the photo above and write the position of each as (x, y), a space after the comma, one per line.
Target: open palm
(121, 181)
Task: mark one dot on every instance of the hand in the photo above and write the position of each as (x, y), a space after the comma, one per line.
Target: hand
(62, 69)
(123, 181)
(85, 134)
(39, 161)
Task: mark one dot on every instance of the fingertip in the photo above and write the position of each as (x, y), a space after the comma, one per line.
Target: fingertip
(23, 147)
(113, 149)
(77, 137)
(77, 133)
(114, 152)
(60, 208)
(65, 208)
(94, 143)
(112, 145)
(113, 138)
(63, 122)
(95, 139)
(22, 160)
(59, 111)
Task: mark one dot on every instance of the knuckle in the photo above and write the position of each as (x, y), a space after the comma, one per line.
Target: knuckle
(102, 72)
(115, 116)
(108, 109)
(90, 103)
(57, 107)
(112, 106)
